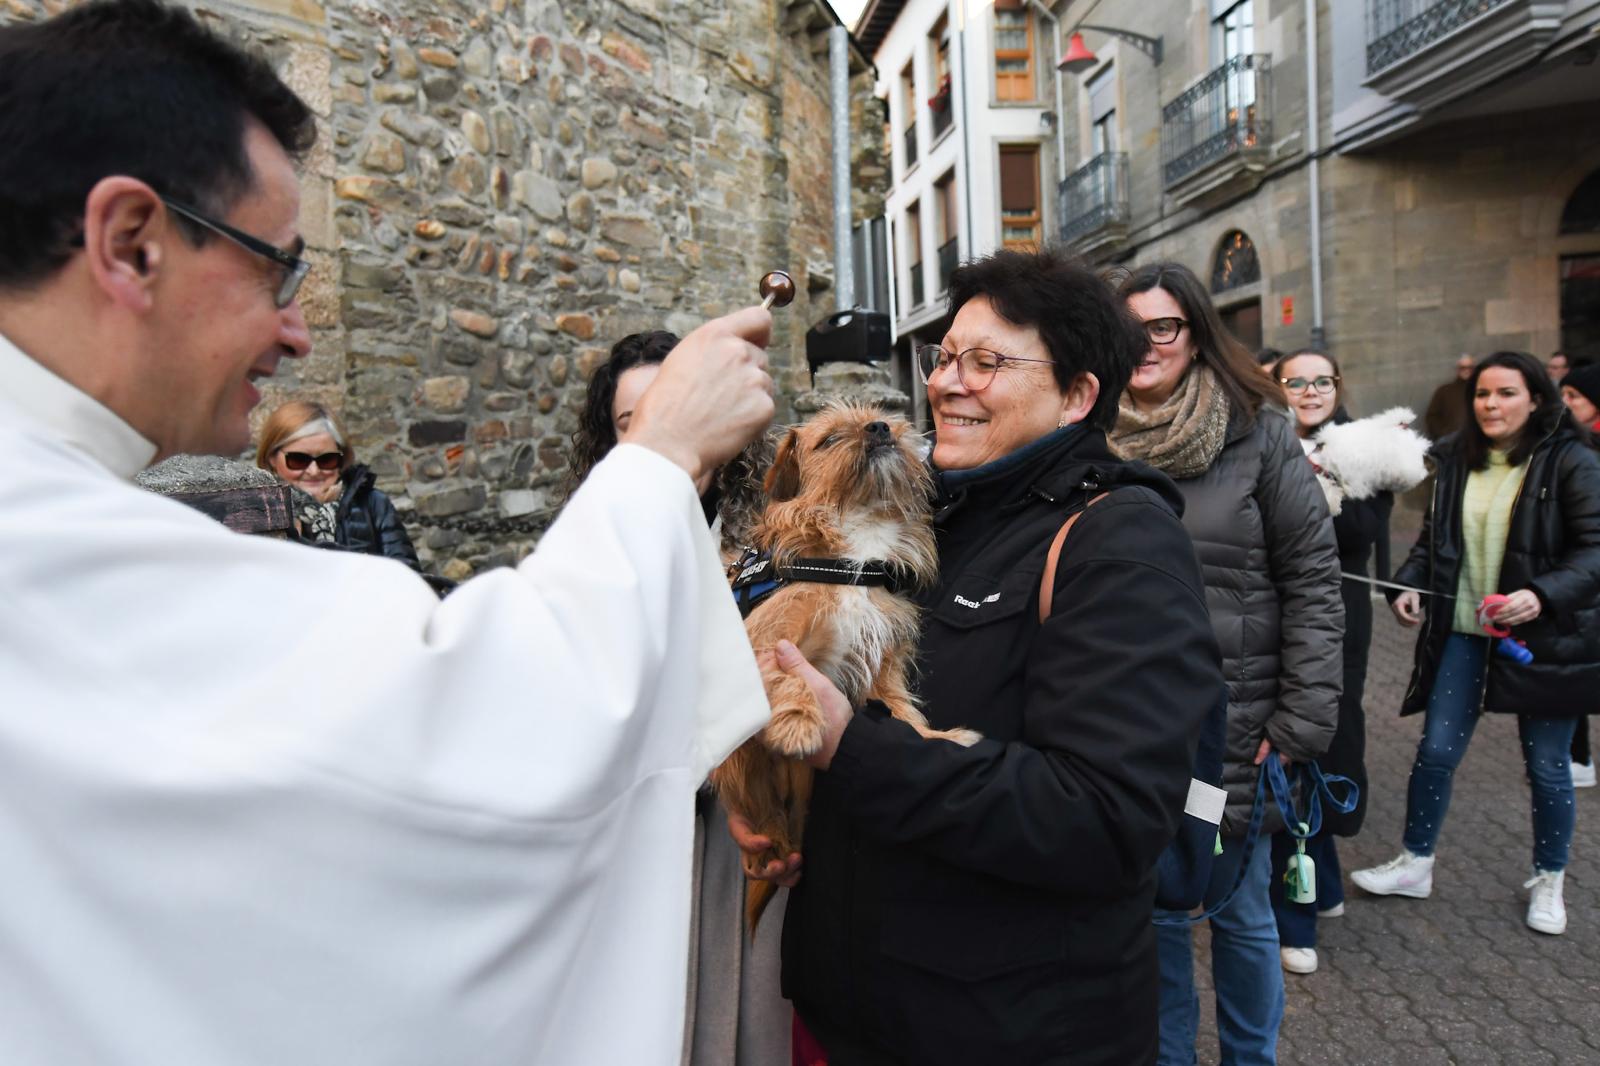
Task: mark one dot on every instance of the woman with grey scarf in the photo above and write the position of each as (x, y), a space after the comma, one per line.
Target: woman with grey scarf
(1260, 524)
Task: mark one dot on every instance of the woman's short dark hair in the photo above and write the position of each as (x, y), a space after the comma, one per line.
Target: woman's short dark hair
(1084, 326)
(1237, 370)
(125, 87)
(596, 435)
(1548, 411)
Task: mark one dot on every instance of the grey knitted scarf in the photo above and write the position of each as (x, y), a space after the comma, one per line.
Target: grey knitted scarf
(1183, 436)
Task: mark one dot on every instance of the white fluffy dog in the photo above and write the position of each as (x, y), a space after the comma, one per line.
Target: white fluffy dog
(1359, 459)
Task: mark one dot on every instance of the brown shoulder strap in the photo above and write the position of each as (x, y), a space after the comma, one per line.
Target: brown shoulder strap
(1047, 584)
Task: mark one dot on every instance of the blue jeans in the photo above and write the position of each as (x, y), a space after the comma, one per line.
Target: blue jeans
(1244, 968)
(1297, 922)
(1452, 716)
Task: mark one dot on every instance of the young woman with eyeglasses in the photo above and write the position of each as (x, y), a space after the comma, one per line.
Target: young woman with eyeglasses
(1199, 409)
(303, 443)
(1361, 465)
(1516, 512)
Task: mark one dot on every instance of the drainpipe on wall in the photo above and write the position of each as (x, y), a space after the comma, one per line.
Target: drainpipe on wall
(1319, 337)
(966, 129)
(1061, 118)
(844, 277)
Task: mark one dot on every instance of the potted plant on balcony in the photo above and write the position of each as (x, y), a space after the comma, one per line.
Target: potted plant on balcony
(939, 102)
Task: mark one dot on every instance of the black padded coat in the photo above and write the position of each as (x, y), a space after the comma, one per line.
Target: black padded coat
(992, 904)
(366, 521)
(1552, 547)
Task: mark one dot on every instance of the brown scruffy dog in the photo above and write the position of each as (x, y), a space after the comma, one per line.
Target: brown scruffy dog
(849, 485)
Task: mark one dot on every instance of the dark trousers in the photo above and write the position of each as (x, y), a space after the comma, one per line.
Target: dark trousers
(1580, 743)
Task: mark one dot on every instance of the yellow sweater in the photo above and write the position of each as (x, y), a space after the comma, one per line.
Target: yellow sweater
(1485, 521)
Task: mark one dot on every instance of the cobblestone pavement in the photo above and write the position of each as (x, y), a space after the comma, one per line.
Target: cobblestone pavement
(1456, 978)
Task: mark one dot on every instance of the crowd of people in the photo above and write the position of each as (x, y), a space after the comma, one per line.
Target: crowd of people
(481, 830)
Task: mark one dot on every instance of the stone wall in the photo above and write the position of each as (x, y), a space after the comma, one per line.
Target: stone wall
(503, 188)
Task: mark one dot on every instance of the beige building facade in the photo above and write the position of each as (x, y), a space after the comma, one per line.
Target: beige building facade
(1454, 150)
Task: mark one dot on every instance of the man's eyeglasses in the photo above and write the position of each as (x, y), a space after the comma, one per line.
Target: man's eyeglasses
(1164, 330)
(298, 461)
(1320, 385)
(294, 268)
(975, 367)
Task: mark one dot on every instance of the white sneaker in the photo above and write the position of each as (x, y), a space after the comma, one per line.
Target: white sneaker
(1546, 911)
(1583, 775)
(1404, 875)
(1335, 911)
(1299, 960)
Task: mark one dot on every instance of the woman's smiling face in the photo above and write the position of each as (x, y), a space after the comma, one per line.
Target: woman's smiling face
(1157, 376)
(1311, 408)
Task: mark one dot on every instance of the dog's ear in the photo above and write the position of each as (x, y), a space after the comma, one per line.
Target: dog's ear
(783, 476)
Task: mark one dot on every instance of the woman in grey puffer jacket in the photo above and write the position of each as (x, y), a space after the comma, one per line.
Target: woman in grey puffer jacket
(1261, 526)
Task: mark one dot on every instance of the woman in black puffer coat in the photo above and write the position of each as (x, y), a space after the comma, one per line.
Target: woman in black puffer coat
(1199, 410)
(303, 443)
(1515, 511)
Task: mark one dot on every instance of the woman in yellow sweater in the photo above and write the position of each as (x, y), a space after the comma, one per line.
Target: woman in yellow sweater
(1516, 511)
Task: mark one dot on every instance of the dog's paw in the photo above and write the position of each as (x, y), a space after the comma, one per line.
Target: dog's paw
(794, 733)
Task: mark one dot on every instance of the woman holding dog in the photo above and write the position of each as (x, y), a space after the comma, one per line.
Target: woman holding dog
(1360, 466)
(1515, 511)
(1197, 408)
(992, 903)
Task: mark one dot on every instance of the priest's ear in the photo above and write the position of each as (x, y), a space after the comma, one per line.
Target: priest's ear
(783, 477)
(125, 230)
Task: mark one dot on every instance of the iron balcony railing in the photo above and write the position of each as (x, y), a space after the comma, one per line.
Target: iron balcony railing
(943, 119)
(1227, 113)
(949, 255)
(1397, 29)
(1094, 196)
(911, 146)
(917, 293)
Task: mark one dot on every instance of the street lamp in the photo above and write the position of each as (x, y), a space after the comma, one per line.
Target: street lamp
(1079, 59)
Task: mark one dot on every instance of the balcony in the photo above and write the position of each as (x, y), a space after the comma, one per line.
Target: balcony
(1215, 136)
(949, 257)
(943, 118)
(1426, 54)
(911, 146)
(1094, 202)
(917, 293)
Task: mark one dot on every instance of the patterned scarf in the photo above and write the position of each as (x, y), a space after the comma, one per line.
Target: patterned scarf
(1183, 436)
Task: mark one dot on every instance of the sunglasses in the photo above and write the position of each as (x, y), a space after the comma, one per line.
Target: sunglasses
(298, 461)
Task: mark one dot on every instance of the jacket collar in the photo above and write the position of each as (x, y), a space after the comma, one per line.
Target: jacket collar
(68, 415)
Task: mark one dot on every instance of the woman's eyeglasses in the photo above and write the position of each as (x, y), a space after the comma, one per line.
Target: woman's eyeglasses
(975, 367)
(1320, 385)
(1164, 330)
(298, 461)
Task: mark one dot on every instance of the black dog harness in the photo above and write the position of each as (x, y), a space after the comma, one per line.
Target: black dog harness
(756, 576)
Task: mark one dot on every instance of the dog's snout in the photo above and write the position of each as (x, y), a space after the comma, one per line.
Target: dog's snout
(878, 431)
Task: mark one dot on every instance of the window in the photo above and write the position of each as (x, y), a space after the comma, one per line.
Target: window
(1582, 213)
(940, 111)
(1233, 33)
(908, 116)
(1019, 197)
(1103, 112)
(1236, 264)
(944, 192)
(1013, 51)
(912, 233)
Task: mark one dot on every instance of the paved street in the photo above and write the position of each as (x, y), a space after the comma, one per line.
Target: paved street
(1456, 978)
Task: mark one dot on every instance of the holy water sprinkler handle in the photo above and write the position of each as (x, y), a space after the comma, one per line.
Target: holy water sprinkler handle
(777, 289)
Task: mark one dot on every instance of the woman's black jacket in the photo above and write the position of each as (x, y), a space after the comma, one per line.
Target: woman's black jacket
(366, 521)
(1552, 547)
(992, 904)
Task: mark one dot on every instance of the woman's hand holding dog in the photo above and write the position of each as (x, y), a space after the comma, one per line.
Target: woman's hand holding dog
(836, 713)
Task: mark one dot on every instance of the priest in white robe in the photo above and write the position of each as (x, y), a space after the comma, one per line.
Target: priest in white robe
(266, 804)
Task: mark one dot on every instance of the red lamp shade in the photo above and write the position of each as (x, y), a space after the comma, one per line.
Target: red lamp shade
(1078, 58)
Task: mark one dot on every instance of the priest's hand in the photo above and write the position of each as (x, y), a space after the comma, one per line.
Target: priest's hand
(712, 397)
(785, 873)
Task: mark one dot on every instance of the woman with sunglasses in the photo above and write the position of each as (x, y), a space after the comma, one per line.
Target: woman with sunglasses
(1199, 409)
(1360, 465)
(303, 443)
(1515, 512)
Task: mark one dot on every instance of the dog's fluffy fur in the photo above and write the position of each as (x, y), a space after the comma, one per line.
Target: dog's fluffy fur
(1356, 460)
(850, 484)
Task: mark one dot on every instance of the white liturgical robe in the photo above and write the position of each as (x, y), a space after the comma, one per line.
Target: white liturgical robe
(262, 803)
